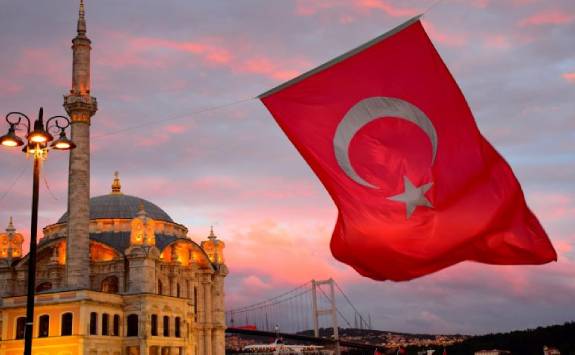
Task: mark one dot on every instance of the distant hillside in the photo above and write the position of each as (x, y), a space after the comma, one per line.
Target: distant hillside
(523, 342)
(520, 342)
(390, 340)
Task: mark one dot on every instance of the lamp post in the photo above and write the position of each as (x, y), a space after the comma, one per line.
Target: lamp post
(38, 144)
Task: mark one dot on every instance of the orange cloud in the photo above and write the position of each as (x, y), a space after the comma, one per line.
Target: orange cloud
(551, 17)
(570, 77)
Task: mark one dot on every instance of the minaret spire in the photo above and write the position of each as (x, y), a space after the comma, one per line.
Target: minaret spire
(82, 20)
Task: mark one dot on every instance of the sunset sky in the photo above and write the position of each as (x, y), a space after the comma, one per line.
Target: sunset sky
(157, 64)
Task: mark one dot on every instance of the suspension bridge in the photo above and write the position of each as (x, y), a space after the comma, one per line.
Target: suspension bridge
(312, 312)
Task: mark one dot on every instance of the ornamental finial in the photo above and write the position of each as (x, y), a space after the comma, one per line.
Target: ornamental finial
(116, 186)
(212, 235)
(10, 229)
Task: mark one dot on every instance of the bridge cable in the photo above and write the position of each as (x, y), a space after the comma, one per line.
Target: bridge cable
(350, 303)
(337, 309)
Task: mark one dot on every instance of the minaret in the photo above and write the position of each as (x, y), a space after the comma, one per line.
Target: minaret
(80, 107)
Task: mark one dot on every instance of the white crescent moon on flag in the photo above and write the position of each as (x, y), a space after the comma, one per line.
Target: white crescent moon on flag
(368, 110)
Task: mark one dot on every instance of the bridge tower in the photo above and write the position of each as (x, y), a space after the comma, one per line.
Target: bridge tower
(330, 311)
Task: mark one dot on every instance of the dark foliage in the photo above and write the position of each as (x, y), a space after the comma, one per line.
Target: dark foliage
(520, 342)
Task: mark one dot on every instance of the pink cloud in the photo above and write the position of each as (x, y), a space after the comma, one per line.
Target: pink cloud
(563, 247)
(482, 4)
(236, 56)
(209, 53)
(446, 38)
(175, 128)
(296, 255)
(267, 67)
(311, 8)
(8, 88)
(387, 7)
(570, 77)
(553, 207)
(45, 63)
(254, 281)
(550, 17)
(160, 135)
(497, 42)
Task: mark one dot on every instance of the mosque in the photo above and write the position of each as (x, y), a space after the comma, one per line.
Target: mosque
(116, 275)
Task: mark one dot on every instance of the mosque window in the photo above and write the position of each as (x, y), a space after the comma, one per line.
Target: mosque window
(188, 289)
(44, 326)
(178, 290)
(133, 325)
(93, 323)
(66, 326)
(177, 332)
(20, 327)
(166, 326)
(109, 284)
(44, 286)
(105, 324)
(116, 327)
(154, 324)
(195, 303)
(160, 287)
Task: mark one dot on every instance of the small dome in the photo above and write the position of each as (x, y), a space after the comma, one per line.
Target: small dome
(120, 206)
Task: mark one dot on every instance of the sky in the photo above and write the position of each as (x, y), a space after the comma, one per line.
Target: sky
(161, 66)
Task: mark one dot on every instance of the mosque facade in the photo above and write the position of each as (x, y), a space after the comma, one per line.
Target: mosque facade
(115, 274)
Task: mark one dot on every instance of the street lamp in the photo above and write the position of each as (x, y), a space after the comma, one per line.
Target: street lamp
(38, 143)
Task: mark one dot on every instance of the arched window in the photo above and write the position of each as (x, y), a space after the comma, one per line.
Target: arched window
(109, 284)
(66, 325)
(105, 324)
(177, 332)
(20, 327)
(133, 325)
(44, 326)
(93, 323)
(160, 291)
(44, 286)
(116, 328)
(166, 326)
(154, 325)
(178, 290)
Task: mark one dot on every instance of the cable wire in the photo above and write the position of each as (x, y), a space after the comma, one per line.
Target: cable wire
(14, 182)
(156, 122)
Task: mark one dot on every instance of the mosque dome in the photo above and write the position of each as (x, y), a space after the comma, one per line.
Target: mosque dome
(116, 205)
(121, 206)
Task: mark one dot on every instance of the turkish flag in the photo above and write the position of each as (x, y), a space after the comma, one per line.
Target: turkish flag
(389, 134)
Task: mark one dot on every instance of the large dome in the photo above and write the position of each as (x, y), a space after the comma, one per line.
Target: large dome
(117, 205)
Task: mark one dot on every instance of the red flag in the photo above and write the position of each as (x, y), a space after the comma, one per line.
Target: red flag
(390, 135)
